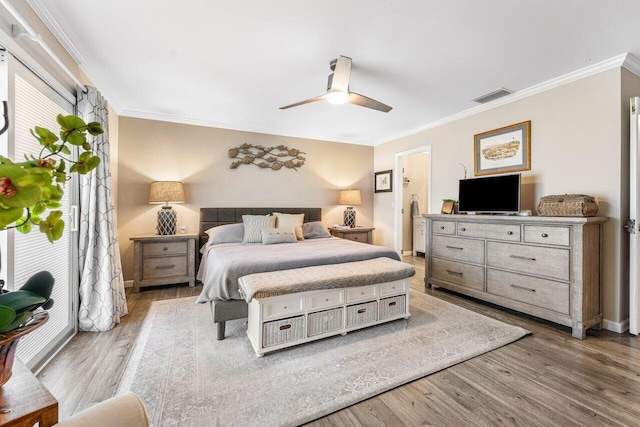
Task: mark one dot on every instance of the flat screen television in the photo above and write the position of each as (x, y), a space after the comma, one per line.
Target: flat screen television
(494, 194)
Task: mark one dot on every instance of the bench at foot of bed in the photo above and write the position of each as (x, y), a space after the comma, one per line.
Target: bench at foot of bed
(277, 322)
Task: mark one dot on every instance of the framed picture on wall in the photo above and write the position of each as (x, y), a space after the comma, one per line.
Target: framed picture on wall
(503, 150)
(383, 181)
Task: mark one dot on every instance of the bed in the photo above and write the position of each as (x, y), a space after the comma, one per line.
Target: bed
(223, 264)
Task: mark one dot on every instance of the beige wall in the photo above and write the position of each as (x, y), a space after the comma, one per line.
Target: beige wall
(151, 150)
(576, 147)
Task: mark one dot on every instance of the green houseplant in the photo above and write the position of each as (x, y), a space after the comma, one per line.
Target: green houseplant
(30, 194)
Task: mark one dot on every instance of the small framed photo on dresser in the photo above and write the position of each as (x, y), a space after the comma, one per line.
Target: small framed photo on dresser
(383, 181)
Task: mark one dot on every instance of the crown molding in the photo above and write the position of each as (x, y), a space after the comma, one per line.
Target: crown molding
(626, 59)
(237, 127)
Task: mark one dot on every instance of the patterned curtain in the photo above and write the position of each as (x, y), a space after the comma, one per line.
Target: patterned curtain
(102, 297)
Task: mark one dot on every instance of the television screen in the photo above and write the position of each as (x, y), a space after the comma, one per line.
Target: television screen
(496, 194)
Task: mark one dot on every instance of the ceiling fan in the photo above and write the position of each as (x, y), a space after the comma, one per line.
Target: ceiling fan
(338, 89)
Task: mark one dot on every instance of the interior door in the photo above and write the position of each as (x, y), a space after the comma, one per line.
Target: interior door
(632, 225)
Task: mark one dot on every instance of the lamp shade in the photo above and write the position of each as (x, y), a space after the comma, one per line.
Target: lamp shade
(166, 192)
(349, 197)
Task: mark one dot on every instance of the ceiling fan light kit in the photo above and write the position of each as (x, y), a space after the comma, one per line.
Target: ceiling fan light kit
(338, 89)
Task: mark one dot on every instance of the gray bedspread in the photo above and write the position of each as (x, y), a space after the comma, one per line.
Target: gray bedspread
(222, 265)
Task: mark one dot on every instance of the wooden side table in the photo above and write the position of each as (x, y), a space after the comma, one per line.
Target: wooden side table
(27, 400)
(357, 234)
(164, 260)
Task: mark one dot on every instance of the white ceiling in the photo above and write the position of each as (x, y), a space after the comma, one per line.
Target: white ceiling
(232, 64)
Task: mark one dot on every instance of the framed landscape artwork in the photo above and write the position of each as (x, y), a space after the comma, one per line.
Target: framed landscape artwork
(503, 150)
(382, 182)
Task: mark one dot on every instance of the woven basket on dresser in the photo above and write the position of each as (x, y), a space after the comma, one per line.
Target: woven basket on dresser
(567, 205)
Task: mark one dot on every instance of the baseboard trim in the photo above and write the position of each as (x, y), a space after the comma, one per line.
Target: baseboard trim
(128, 283)
(618, 327)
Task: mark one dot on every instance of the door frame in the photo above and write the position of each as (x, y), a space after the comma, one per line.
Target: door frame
(634, 208)
(397, 198)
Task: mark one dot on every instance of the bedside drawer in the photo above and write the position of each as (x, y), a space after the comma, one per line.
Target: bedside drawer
(283, 307)
(547, 262)
(490, 231)
(443, 227)
(459, 249)
(325, 299)
(470, 276)
(162, 249)
(539, 292)
(357, 237)
(391, 288)
(546, 235)
(361, 293)
(156, 268)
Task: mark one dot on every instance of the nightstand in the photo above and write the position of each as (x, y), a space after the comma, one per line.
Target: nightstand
(357, 234)
(164, 260)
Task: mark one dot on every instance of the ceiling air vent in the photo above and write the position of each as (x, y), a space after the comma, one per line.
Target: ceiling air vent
(493, 95)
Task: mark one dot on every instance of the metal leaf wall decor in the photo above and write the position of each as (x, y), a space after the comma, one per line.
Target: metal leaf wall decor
(267, 157)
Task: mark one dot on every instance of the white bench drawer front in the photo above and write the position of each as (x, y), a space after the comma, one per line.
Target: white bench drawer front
(391, 307)
(325, 299)
(443, 227)
(546, 262)
(392, 288)
(467, 250)
(361, 314)
(539, 292)
(551, 235)
(361, 293)
(322, 322)
(282, 331)
(490, 231)
(283, 307)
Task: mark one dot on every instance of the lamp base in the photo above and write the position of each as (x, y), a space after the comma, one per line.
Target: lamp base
(350, 217)
(166, 221)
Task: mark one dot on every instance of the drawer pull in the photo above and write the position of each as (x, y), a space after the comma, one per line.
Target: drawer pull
(522, 288)
(326, 300)
(284, 308)
(391, 304)
(455, 247)
(525, 258)
(165, 248)
(362, 293)
(510, 233)
(362, 310)
(285, 327)
(442, 227)
(165, 267)
(455, 273)
(545, 235)
(463, 229)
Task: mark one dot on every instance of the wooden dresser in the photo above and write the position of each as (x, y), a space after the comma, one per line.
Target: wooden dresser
(547, 267)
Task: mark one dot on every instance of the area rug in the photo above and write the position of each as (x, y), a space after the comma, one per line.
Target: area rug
(185, 377)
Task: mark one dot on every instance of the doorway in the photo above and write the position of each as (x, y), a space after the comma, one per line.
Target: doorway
(412, 176)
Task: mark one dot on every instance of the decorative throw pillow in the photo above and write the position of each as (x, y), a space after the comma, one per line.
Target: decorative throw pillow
(271, 236)
(314, 230)
(253, 225)
(230, 233)
(290, 221)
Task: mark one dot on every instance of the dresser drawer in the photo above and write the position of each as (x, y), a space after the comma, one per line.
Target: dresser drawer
(443, 227)
(539, 292)
(509, 232)
(550, 235)
(357, 237)
(547, 262)
(283, 307)
(467, 250)
(391, 288)
(162, 249)
(470, 276)
(325, 299)
(156, 268)
(361, 293)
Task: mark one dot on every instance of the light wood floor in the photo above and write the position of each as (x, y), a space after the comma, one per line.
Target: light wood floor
(547, 378)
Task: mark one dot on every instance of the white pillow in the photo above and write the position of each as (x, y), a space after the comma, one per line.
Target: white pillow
(290, 221)
(253, 225)
(230, 233)
(278, 235)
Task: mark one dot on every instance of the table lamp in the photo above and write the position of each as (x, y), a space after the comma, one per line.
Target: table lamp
(350, 198)
(166, 192)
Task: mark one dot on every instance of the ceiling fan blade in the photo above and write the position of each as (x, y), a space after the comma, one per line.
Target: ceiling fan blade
(363, 101)
(306, 101)
(341, 73)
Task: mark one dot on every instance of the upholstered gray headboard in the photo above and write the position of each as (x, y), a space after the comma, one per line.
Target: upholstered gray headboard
(212, 217)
